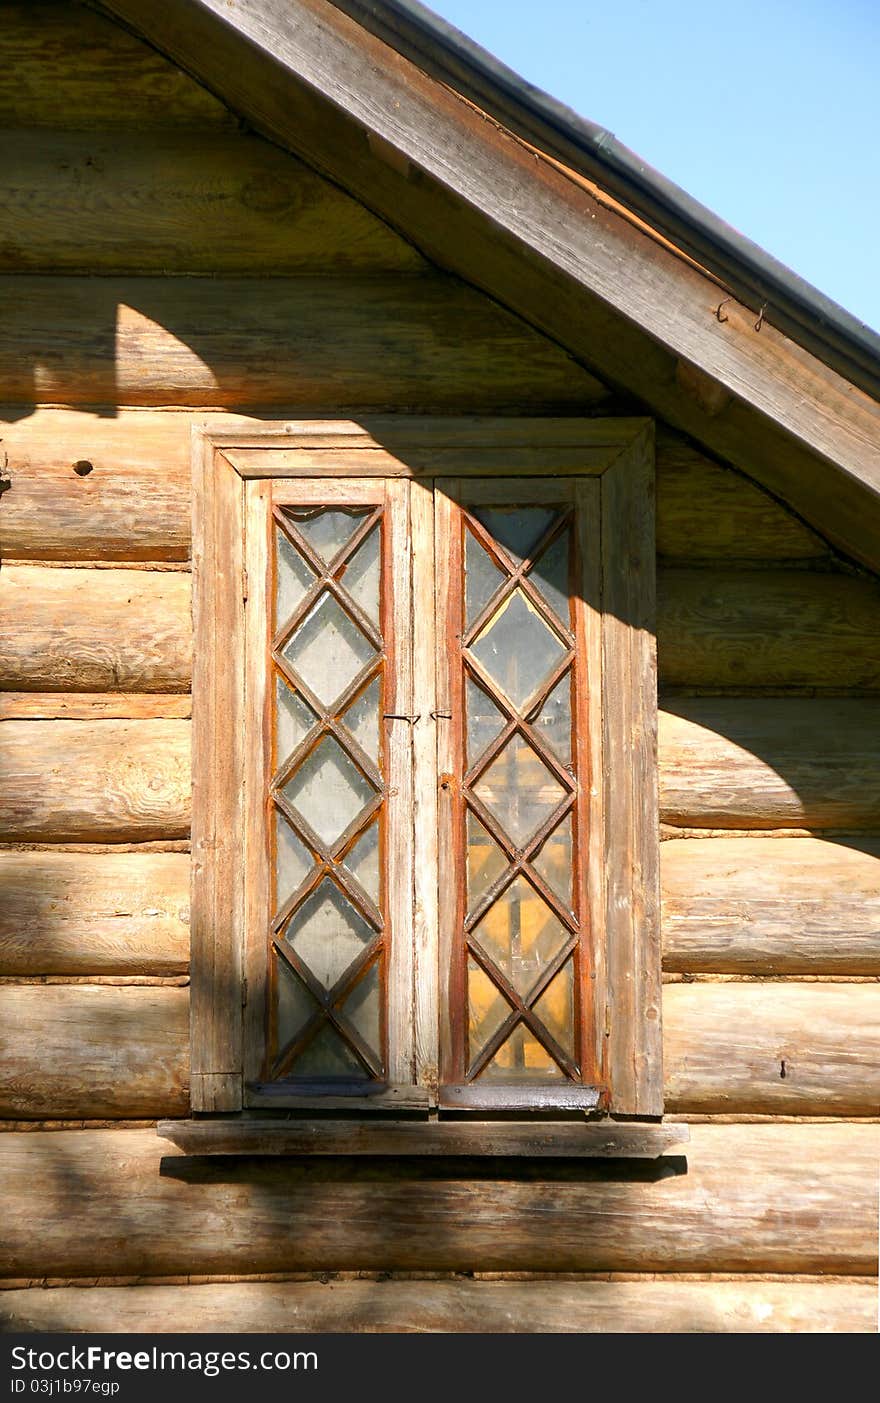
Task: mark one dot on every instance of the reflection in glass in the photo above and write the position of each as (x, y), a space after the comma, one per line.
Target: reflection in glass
(294, 1004)
(487, 1008)
(327, 649)
(327, 933)
(361, 576)
(327, 530)
(553, 861)
(293, 861)
(363, 861)
(484, 721)
(517, 648)
(328, 1056)
(328, 790)
(550, 578)
(517, 529)
(293, 579)
(482, 577)
(521, 1059)
(485, 860)
(293, 720)
(362, 719)
(361, 1008)
(555, 1008)
(519, 790)
(521, 935)
(553, 722)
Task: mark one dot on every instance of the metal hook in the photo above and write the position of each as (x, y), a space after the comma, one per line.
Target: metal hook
(396, 716)
(724, 318)
(760, 322)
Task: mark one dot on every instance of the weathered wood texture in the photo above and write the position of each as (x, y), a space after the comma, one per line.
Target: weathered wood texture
(379, 342)
(88, 630)
(709, 513)
(772, 763)
(797, 1049)
(60, 67)
(134, 502)
(724, 1049)
(780, 906)
(179, 203)
(102, 913)
(82, 781)
(197, 1217)
(455, 1307)
(95, 706)
(768, 628)
(723, 763)
(93, 1051)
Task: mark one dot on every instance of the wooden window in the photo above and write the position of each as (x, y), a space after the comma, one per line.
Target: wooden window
(425, 816)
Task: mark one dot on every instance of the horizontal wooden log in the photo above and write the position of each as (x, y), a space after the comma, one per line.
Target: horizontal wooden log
(774, 1198)
(102, 913)
(60, 66)
(379, 342)
(119, 1051)
(83, 781)
(770, 763)
(767, 628)
(94, 706)
(762, 906)
(181, 203)
(707, 512)
(787, 1049)
(796, 1049)
(453, 1307)
(93, 630)
(133, 502)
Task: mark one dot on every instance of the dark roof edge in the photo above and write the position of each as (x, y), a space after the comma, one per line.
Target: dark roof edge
(755, 277)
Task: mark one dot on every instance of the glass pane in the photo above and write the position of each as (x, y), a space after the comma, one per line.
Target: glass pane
(517, 529)
(328, 790)
(293, 579)
(293, 720)
(553, 861)
(328, 650)
(482, 577)
(485, 860)
(362, 719)
(487, 1008)
(294, 1004)
(555, 1008)
(361, 577)
(554, 719)
(293, 861)
(484, 721)
(550, 577)
(327, 933)
(362, 1008)
(327, 531)
(522, 1059)
(519, 790)
(328, 1056)
(517, 649)
(363, 861)
(521, 935)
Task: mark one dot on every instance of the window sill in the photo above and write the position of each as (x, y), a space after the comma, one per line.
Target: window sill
(237, 1135)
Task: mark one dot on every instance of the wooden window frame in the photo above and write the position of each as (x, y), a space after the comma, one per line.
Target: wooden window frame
(618, 456)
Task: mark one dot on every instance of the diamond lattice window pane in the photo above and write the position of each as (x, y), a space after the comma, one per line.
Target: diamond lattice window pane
(361, 576)
(485, 861)
(481, 579)
(294, 1005)
(327, 933)
(327, 530)
(553, 861)
(363, 861)
(487, 1008)
(328, 650)
(328, 790)
(517, 648)
(293, 861)
(362, 719)
(327, 1055)
(550, 578)
(517, 529)
(522, 1059)
(293, 720)
(484, 721)
(362, 1009)
(555, 1008)
(519, 790)
(521, 935)
(293, 579)
(554, 719)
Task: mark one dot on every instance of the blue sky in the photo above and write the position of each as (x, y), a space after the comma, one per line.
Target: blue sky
(769, 113)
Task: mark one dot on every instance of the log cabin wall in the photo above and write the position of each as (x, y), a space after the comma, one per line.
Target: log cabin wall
(159, 264)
